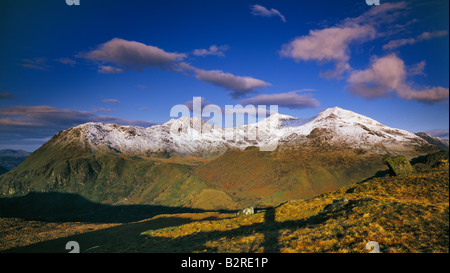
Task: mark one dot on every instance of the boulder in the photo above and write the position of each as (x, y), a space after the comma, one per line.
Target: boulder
(247, 211)
(399, 165)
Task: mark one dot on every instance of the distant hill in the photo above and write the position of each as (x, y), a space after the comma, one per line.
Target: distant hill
(10, 159)
(443, 144)
(14, 153)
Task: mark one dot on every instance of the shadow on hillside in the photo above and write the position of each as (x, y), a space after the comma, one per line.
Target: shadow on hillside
(121, 238)
(201, 242)
(127, 238)
(382, 173)
(68, 207)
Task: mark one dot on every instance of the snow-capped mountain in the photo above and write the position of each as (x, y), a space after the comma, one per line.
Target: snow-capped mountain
(340, 126)
(192, 136)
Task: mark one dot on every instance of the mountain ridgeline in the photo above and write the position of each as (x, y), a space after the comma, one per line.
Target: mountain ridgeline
(177, 164)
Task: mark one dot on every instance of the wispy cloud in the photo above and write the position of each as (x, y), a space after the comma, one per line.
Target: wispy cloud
(417, 69)
(292, 100)
(35, 63)
(101, 110)
(259, 10)
(212, 50)
(67, 61)
(110, 101)
(410, 41)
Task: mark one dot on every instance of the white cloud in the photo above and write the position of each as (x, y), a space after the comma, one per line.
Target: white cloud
(259, 10)
(388, 75)
(328, 45)
(384, 76)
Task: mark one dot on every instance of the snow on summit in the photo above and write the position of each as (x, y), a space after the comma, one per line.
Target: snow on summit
(188, 136)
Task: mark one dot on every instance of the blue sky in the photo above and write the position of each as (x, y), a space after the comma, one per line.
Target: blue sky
(129, 62)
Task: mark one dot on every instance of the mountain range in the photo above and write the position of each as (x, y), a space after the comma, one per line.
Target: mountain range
(9, 159)
(181, 137)
(188, 162)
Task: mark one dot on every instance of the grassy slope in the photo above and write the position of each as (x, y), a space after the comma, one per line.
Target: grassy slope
(402, 214)
(231, 181)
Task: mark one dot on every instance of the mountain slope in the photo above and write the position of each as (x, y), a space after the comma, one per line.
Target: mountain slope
(188, 162)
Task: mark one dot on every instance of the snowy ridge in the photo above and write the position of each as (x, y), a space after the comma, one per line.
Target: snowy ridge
(192, 136)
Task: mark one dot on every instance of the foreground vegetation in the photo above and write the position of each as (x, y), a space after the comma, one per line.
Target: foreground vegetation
(403, 214)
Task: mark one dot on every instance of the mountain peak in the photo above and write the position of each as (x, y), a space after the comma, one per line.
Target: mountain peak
(280, 116)
(337, 113)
